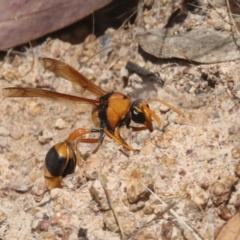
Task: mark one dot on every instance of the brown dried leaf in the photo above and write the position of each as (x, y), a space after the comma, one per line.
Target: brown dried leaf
(22, 21)
(202, 45)
(230, 230)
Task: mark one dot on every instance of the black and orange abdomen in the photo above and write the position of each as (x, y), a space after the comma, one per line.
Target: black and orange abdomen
(59, 162)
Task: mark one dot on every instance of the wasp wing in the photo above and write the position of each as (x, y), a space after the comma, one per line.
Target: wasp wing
(36, 92)
(67, 72)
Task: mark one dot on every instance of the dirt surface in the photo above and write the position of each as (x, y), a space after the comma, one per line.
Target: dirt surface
(191, 162)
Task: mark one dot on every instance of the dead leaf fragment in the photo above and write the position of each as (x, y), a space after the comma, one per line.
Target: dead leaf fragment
(230, 230)
(22, 21)
(201, 45)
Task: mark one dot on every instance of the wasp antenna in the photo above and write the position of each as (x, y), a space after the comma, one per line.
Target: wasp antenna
(166, 104)
(153, 114)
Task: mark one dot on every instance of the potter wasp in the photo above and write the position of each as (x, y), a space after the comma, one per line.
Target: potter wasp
(111, 111)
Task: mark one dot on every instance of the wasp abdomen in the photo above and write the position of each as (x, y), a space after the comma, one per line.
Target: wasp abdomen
(60, 161)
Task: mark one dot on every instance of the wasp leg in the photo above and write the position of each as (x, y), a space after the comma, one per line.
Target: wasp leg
(166, 104)
(117, 138)
(83, 140)
(100, 139)
(117, 134)
(76, 135)
(137, 129)
(82, 131)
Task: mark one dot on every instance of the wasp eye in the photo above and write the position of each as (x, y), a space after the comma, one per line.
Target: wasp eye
(137, 116)
(135, 112)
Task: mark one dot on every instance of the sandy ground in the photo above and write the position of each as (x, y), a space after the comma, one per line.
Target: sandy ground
(191, 162)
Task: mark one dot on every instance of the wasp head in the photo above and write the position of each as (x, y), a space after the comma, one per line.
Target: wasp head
(141, 113)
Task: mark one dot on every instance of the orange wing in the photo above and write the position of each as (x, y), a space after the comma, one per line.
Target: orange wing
(36, 92)
(65, 71)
